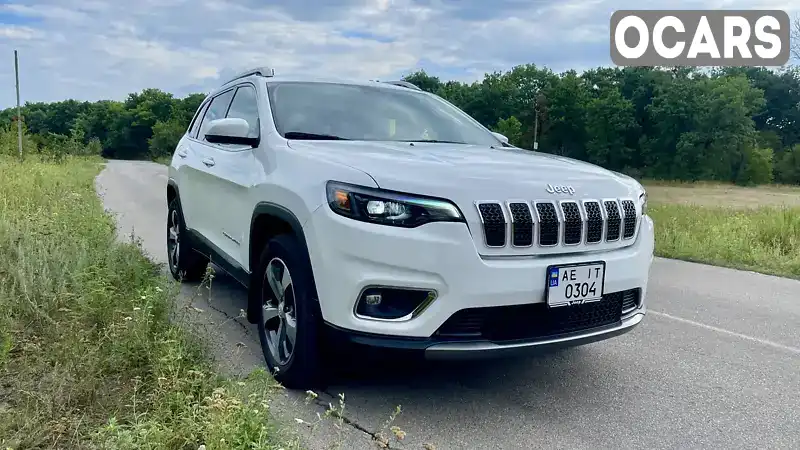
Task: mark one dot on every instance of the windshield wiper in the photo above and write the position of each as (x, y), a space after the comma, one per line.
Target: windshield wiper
(436, 141)
(312, 136)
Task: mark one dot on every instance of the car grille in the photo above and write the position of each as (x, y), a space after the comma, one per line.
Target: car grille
(537, 320)
(551, 224)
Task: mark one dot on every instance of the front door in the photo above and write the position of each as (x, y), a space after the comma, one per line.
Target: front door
(197, 190)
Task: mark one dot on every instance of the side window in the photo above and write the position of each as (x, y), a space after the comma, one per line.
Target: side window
(197, 121)
(245, 106)
(216, 110)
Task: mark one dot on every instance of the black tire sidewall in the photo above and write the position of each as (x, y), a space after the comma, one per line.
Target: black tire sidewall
(190, 263)
(303, 368)
(175, 205)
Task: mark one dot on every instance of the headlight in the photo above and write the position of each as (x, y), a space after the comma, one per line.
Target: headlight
(643, 202)
(389, 208)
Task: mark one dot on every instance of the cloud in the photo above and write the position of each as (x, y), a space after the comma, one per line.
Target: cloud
(96, 49)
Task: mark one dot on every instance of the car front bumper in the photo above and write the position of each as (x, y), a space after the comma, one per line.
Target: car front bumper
(454, 349)
(347, 256)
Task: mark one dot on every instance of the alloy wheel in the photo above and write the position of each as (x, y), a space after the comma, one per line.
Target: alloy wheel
(280, 312)
(174, 239)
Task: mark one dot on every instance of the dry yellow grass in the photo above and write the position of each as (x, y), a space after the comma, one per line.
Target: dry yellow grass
(722, 195)
(753, 228)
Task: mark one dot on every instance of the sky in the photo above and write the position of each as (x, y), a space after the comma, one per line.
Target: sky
(105, 49)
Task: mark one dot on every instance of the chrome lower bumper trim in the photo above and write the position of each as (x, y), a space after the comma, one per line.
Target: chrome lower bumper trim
(485, 349)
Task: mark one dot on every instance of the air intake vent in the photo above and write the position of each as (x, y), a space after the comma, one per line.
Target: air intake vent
(594, 222)
(494, 224)
(630, 300)
(548, 224)
(535, 320)
(573, 223)
(630, 218)
(614, 220)
(521, 224)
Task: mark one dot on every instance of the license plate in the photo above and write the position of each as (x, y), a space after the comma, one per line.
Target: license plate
(574, 284)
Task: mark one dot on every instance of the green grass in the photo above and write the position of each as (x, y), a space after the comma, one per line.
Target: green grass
(88, 355)
(762, 239)
(751, 228)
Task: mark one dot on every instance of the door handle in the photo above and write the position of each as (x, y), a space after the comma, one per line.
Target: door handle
(182, 153)
(208, 162)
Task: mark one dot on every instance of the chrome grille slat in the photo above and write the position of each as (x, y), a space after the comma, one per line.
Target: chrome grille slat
(551, 223)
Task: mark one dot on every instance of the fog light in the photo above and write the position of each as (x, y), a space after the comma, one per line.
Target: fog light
(385, 303)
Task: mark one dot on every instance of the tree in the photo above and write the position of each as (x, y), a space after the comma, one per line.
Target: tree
(787, 169)
(567, 102)
(730, 124)
(424, 81)
(165, 137)
(795, 37)
(510, 128)
(611, 129)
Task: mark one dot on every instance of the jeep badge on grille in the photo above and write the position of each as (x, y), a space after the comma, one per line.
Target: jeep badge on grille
(560, 189)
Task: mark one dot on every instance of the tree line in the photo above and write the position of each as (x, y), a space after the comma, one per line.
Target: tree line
(739, 125)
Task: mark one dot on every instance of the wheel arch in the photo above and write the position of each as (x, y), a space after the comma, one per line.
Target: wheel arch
(172, 191)
(270, 220)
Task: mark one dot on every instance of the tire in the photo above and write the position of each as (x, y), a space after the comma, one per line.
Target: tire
(298, 364)
(185, 264)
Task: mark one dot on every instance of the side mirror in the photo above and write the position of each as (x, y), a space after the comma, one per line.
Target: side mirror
(230, 131)
(502, 138)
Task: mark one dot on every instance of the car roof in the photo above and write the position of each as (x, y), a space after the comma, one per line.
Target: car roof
(312, 79)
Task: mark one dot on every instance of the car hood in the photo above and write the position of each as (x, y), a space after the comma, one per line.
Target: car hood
(468, 173)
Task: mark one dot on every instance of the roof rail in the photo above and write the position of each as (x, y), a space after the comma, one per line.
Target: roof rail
(260, 71)
(404, 84)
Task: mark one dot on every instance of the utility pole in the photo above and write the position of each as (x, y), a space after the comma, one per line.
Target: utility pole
(19, 110)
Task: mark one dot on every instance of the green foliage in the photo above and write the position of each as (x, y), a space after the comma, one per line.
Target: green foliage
(757, 166)
(89, 358)
(510, 128)
(787, 169)
(165, 138)
(766, 239)
(108, 128)
(665, 123)
(611, 128)
(678, 123)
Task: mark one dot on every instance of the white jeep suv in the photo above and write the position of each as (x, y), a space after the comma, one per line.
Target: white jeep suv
(384, 215)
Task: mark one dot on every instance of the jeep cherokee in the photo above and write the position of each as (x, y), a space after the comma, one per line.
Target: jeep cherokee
(387, 216)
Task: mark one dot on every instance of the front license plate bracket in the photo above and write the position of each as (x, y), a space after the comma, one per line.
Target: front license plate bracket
(574, 284)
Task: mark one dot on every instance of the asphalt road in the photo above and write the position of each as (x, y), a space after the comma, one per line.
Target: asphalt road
(715, 364)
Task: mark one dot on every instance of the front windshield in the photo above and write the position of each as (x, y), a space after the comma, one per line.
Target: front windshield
(371, 113)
